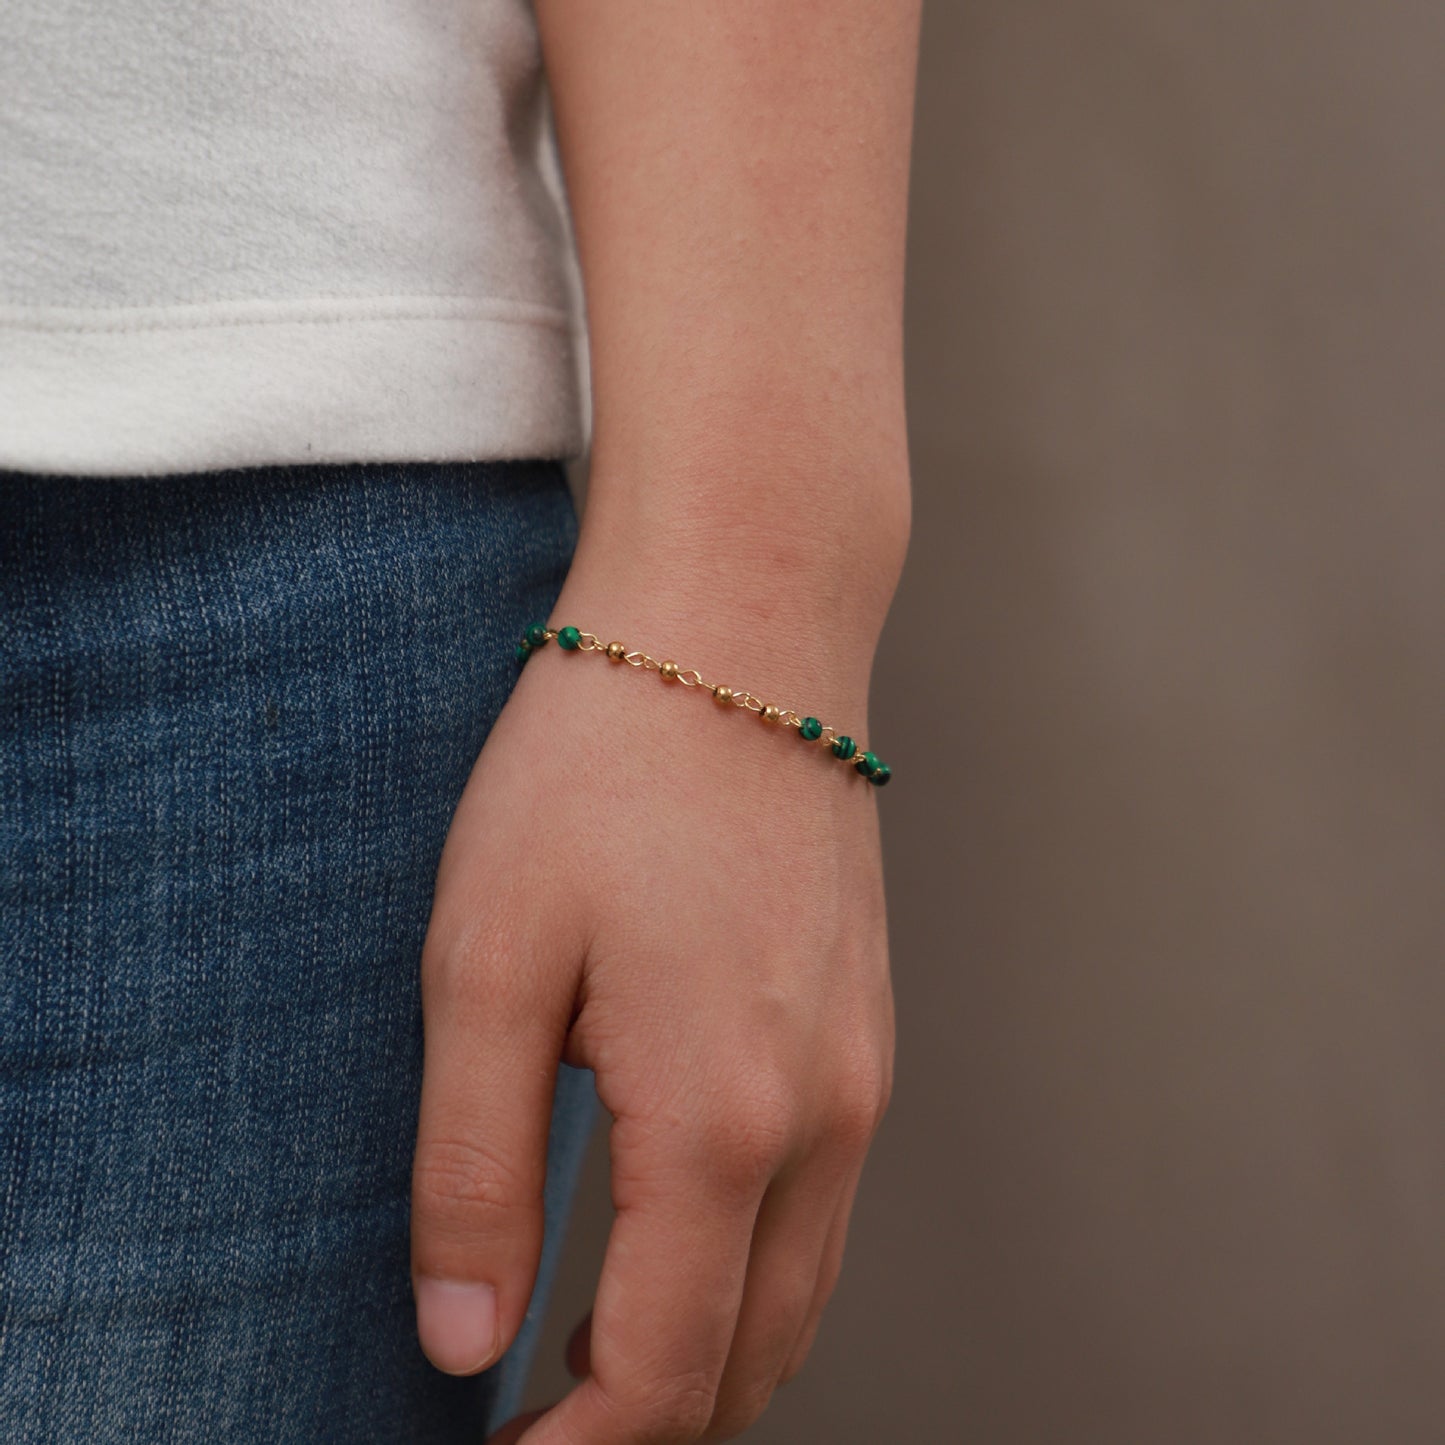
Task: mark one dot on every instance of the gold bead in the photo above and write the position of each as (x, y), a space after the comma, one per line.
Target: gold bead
(668, 671)
(722, 694)
(616, 651)
(771, 713)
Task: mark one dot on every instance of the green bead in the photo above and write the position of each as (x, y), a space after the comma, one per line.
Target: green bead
(844, 746)
(523, 651)
(537, 634)
(568, 638)
(866, 764)
(810, 729)
(880, 774)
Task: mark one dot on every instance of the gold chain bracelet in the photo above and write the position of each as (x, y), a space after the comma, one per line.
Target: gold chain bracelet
(842, 747)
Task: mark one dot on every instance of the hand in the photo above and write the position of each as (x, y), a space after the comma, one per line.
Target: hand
(690, 902)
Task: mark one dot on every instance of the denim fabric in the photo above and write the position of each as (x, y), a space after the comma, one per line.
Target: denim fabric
(237, 710)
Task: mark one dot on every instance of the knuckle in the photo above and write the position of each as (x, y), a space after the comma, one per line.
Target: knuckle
(854, 1122)
(748, 1138)
(448, 969)
(456, 955)
(885, 1093)
(460, 1176)
(858, 1104)
(672, 1411)
(683, 1412)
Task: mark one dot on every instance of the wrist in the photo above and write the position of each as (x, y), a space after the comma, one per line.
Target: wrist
(817, 549)
(831, 738)
(775, 640)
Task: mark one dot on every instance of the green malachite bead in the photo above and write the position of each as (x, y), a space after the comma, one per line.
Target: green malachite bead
(866, 764)
(880, 774)
(810, 729)
(523, 651)
(844, 746)
(537, 634)
(568, 638)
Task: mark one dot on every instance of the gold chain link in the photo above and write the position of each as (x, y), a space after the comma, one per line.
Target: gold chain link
(691, 677)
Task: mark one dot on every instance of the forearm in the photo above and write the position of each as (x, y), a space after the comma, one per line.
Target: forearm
(738, 179)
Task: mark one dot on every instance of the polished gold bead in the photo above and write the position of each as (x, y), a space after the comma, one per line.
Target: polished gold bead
(771, 713)
(668, 671)
(616, 651)
(722, 694)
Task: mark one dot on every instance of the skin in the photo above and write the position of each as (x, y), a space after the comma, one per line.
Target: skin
(677, 895)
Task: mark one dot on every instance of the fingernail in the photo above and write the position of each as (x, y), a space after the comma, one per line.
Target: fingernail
(457, 1323)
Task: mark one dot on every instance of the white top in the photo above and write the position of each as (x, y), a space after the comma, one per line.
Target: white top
(267, 231)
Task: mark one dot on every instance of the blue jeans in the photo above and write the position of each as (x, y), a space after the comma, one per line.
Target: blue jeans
(237, 710)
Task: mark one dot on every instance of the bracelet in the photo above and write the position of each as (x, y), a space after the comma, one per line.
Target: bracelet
(569, 639)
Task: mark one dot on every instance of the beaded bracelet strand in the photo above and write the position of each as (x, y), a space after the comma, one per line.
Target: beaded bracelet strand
(569, 639)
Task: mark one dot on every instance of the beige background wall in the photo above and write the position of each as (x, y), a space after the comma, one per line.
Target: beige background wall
(1165, 691)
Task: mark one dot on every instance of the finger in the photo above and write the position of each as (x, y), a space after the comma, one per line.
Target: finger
(789, 1236)
(668, 1296)
(579, 1348)
(830, 1267)
(491, 1049)
(868, 1112)
(512, 1431)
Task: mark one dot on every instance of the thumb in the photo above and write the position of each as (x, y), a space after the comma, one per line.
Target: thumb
(492, 1046)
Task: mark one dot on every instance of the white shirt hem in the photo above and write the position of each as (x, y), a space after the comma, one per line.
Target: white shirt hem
(148, 390)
